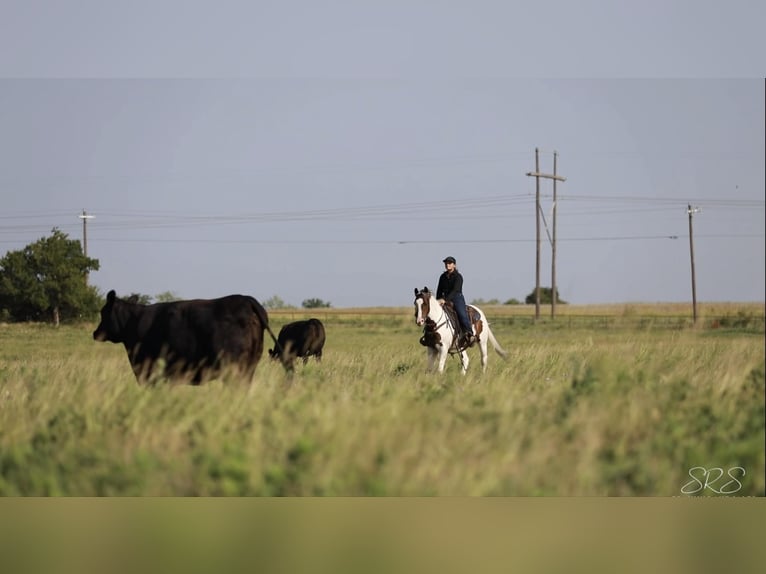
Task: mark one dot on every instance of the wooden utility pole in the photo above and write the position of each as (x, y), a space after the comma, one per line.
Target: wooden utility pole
(537, 175)
(691, 213)
(537, 235)
(554, 294)
(85, 217)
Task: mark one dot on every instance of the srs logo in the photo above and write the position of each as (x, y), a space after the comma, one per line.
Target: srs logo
(703, 478)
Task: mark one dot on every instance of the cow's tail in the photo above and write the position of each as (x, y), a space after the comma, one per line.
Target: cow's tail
(264, 318)
(277, 346)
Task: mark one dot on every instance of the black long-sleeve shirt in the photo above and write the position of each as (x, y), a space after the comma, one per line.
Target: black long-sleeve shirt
(450, 284)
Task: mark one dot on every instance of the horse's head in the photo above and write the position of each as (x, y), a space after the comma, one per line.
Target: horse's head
(422, 305)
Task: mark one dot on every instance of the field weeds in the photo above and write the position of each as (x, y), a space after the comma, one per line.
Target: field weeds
(572, 412)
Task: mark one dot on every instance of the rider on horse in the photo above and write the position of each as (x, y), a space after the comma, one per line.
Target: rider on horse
(450, 289)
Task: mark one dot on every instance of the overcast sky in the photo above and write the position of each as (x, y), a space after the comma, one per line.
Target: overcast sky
(338, 151)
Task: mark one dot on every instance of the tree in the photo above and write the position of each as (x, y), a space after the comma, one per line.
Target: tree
(48, 278)
(546, 297)
(144, 299)
(167, 297)
(140, 298)
(314, 303)
(276, 302)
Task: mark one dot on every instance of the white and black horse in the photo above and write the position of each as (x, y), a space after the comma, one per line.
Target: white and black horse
(440, 335)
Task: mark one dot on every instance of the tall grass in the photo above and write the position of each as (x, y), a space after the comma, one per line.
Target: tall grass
(572, 412)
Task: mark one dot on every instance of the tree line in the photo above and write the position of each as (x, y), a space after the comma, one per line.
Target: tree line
(47, 281)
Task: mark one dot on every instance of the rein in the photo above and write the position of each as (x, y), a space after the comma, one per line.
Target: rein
(444, 318)
(435, 326)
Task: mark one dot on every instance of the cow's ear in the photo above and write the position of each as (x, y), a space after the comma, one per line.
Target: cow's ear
(110, 296)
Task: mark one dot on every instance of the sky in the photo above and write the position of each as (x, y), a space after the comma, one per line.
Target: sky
(340, 150)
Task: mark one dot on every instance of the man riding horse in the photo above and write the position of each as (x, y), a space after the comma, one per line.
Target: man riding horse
(450, 289)
(440, 334)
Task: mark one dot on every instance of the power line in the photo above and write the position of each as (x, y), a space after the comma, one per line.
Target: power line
(438, 206)
(605, 238)
(484, 208)
(667, 200)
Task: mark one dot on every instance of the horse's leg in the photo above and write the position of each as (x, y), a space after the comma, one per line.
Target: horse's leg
(464, 360)
(483, 348)
(431, 358)
(443, 352)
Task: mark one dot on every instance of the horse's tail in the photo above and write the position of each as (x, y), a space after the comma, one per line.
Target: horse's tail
(498, 349)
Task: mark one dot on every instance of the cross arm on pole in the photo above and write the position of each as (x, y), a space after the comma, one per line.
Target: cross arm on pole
(546, 175)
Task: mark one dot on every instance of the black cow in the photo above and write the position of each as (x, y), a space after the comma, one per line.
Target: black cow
(299, 339)
(192, 340)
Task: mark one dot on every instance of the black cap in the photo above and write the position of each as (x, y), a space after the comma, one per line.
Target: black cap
(450, 259)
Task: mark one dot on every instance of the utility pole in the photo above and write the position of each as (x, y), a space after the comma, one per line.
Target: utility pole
(85, 217)
(691, 211)
(537, 235)
(537, 175)
(554, 294)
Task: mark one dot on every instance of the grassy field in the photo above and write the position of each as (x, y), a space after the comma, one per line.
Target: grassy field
(626, 406)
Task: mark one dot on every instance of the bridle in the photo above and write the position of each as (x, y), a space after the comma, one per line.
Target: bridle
(425, 310)
(425, 307)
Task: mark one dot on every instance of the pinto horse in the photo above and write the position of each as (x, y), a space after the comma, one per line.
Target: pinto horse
(440, 333)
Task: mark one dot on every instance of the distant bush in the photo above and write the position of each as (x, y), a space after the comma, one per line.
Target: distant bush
(315, 303)
(139, 298)
(276, 302)
(546, 297)
(144, 299)
(166, 297)
(741, 320)
(485, 302)
(512, 301)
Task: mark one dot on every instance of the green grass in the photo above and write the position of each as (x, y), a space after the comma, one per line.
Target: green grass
(572, 412)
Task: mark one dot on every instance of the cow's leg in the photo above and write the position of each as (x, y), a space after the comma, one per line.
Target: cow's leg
(143, 369)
